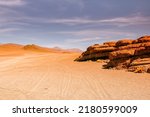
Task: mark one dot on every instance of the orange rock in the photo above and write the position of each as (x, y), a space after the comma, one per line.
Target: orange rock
(121, 54)
(146, 45)
(96, 46)
(133, 55)
(144, 39)
(124, 42)
(139, 69)
(140, 61)
(142, 51)
(110, 44)
(148, 70)
(98, 50)
(119, 63)
(135, 41)
(93, 56)
(130, 46)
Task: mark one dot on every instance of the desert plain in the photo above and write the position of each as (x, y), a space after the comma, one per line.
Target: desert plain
(34, 73)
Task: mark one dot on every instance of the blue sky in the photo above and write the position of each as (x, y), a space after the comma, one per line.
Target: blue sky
(72, 23)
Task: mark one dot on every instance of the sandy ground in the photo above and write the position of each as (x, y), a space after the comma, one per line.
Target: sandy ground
(57, 76)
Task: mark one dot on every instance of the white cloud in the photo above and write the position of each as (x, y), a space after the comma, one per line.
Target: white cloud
(9, 17)
(8, 30)
(11, 2)
(74, 21)
(119, 21)
(94, 32)
(95, 35)
(134, 20)
(83, 39)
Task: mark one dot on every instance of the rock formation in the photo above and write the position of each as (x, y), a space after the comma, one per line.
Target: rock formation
(97, 51)
(133, 55)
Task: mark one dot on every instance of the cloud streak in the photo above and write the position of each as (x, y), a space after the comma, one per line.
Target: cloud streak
(95, 36)
(18, 18)
(119, 21)
(11, 2)
(135, 20)
(8, 30)
(93, 33)
(83, 40)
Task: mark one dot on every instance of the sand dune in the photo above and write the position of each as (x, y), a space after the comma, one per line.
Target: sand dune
(36, 48)
(16, 49)
(11, 49)
(57, 76)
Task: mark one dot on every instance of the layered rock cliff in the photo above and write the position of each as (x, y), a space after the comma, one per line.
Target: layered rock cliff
(133, 55)
(97, 51)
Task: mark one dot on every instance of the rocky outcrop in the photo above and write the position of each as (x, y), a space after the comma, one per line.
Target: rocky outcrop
(97, 51)
(133, 55)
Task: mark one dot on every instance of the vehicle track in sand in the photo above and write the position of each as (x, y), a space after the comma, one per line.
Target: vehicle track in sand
(57, 76)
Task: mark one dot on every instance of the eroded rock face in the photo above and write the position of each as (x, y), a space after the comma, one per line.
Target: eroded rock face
(148, 70)
(110, 44)
(140, 65)
(121, 54)
(143, 39)
(133, 55)
(124, 42)
(97, 51)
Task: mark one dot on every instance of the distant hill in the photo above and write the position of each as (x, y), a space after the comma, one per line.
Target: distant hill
(16, 48)
(69, 50)
(33, 47)
(75, 50)
(10, 46)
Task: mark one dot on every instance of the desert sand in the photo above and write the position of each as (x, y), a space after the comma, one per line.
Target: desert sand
(55, 75)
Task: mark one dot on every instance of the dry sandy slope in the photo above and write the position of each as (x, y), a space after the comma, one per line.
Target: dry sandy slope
(57, 76)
